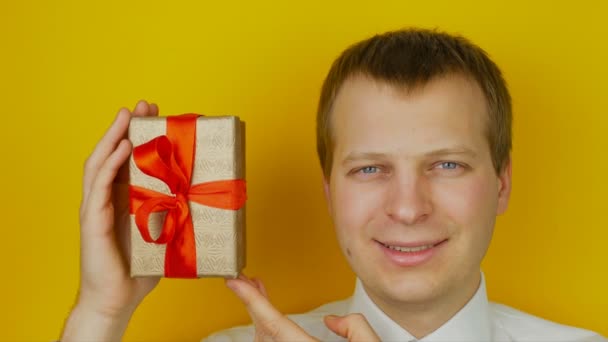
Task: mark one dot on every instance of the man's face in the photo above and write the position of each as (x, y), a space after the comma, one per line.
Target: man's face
(413, 192)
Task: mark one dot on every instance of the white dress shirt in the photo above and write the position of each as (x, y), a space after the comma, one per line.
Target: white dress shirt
(478, 320)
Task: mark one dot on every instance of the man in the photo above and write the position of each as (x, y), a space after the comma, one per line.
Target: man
(414, 139)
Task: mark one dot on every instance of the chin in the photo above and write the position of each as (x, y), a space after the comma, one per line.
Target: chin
(405, 288)
(408, 288)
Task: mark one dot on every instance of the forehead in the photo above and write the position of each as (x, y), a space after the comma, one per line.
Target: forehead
(373, 116)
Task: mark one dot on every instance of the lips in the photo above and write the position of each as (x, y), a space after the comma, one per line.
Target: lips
(408, 254)
(409, 249)
(410, 246)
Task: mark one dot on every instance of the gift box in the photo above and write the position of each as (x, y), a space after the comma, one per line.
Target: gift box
(187, 196)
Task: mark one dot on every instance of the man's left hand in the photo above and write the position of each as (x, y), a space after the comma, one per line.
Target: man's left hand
(271, 325)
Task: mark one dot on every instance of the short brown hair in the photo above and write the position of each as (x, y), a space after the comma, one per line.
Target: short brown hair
(411, 58)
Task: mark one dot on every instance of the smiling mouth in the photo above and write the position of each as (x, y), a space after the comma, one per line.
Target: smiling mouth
(411, 249)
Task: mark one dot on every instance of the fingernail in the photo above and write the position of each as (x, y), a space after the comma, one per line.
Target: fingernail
(122, 109)
(331, 316)
(140, 104)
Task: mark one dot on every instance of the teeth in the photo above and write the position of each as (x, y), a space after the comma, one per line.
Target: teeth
(409, 249)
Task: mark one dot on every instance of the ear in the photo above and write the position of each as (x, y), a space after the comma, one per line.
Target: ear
(326, 191)
(504, 188)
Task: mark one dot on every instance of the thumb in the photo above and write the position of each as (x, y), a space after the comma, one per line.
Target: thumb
(354, 327)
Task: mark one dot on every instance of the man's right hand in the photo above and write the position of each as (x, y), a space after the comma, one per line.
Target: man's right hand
(108, 296)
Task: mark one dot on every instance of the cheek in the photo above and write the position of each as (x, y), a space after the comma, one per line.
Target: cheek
(353, 207)
(471, 204)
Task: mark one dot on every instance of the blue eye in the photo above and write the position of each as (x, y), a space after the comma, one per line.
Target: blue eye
(369, 169)
(449, 165)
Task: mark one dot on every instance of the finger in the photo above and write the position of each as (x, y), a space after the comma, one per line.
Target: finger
(103, 149)
(253, 299)
(261, 287)
(245, 278)
(102, 184)
(154, 110)
(122, 176)
(141, 108)
(255, 282)
(269, 322)
(353, 327)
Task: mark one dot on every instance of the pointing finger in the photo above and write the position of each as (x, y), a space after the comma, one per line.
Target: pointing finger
(258, 306)
(269, 323)
(354, 327)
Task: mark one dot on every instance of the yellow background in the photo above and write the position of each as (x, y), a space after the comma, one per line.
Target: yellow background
(67, 66)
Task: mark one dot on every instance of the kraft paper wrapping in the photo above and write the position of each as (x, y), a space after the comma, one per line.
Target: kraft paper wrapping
(219, 233)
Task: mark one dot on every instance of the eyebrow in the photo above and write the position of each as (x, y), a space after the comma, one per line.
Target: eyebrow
(363, 156)
(455, 150)
(354, 156)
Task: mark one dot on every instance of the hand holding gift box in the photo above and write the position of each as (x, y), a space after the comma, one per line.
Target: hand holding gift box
(108, 295)
(187, 195)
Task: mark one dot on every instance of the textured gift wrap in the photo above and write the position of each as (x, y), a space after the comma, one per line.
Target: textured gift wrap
(215, 244)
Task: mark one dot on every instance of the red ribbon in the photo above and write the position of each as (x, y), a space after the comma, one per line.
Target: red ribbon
(170, 158)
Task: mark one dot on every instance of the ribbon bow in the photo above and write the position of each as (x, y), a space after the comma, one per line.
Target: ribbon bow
(170, 158)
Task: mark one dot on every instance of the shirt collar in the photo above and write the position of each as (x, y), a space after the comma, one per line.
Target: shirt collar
(471, 323)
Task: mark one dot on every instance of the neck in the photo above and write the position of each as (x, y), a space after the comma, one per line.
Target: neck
(422, 318)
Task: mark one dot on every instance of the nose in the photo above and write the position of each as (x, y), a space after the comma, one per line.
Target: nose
(408, 199)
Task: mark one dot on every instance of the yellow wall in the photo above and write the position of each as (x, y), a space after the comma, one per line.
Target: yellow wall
(67, 66)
